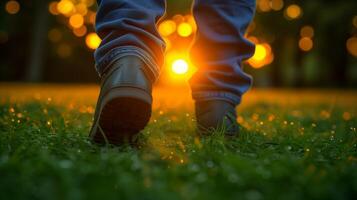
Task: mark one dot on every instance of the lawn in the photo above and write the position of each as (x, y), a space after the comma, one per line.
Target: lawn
(293, 145)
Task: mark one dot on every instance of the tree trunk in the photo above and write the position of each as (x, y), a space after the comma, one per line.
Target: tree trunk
(34, 71)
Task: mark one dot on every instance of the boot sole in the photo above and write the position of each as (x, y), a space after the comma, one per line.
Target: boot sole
(124, 112)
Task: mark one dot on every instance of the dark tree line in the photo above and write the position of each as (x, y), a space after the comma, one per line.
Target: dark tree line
(26, 54)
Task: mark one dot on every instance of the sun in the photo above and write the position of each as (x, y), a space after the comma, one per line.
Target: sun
(180, 66)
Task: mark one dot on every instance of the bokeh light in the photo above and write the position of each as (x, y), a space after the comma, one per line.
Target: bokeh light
(307, 31)
(277, 4)
(263, 54)
(76, 21)
(184, 29)
(260, 52)
(90, 17)
(64, 50)
(306, 43)
(354, 21)
(167, 27)
(264, 5)
(81, 9)
(65, 7)
(52, 8)
(80, 32)
(293, 11)
(93, 41)
(178, 19)
(54, 35)
(191, 20)
(351, 45)
(12, 7)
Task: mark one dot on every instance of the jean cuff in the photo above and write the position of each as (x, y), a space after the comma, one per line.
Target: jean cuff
(216, 95)
(117, 53)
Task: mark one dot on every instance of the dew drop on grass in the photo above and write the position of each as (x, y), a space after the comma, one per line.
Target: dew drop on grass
(194, 168)
(210, 164)
(233, 178)
(332, 137)
(201, 177)
(253, 195)
(288, 148)
(65, 164)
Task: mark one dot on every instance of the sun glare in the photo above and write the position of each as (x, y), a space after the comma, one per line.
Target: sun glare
(180, 66)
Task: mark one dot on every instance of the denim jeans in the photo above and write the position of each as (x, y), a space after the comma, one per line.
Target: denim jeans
(128, 27)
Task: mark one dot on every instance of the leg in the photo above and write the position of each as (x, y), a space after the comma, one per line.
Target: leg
(128, 27)
(127, 61)
(218, 51)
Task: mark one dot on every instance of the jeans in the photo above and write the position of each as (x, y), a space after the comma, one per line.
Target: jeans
(128, 27)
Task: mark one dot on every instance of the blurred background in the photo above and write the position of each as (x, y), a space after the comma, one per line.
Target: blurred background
(299, 43)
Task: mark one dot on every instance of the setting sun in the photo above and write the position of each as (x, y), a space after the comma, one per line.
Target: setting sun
(180, 66)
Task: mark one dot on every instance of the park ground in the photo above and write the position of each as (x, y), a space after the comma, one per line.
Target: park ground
(294, 144)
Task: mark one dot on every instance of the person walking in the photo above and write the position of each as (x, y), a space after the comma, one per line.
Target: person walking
(131, 54)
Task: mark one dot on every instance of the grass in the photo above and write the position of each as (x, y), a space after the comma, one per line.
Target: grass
(291, 147)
